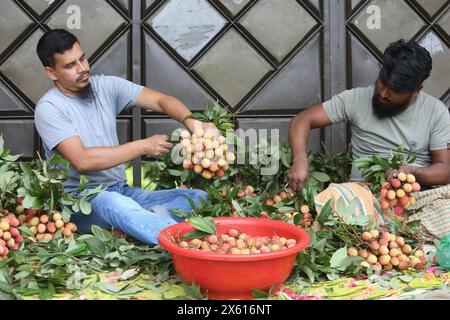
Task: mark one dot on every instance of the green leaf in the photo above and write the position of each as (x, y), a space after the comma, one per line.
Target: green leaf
(41, 177)
(413, 225)
(326, 211)
(286, 159)
(93, 192)
(340, 207)
(66, 213)
(332, 277)
(376, 168)
(31, 202)
(176, 173)
(131, 291)
(361, 220)
(85, 237)
(320, 176)
(350, 210)
(193, 291)
(85, 206)
(285, 209)
(66, 201)
(205, 224)
(21, 275)
(412, 160)
(26, 168)
(129, 274)
(12, 158)
(26, 231)
(338, 258)
(309, 273)
(45, 294)
(185, 175)
(196, 234)
(76, 207)
(259, 294)
(215, 194)
(77, 249)
(110, 288)
(406, 279)
(320, 245)
(101, 234)
(238, 208)
(57, 261)
(84, 181)
(180, 213)
(97, 247)
(394, 284)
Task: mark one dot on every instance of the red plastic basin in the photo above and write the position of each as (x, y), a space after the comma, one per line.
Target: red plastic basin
(235, 276)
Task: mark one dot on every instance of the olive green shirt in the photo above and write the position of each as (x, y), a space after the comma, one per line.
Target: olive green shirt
(424, 126)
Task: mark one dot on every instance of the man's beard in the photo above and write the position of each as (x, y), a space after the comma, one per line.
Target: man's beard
(387, 110)
(87, 92)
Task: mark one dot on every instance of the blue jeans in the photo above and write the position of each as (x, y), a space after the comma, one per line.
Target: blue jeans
(139, 213)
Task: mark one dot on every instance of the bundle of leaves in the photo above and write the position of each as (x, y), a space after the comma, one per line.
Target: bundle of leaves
(337, 166)
(170, 174)
(373, 168)
(40, 184)
(326, 255)
(213, 112)
(323, 169)
(46, 268)
(336, 230)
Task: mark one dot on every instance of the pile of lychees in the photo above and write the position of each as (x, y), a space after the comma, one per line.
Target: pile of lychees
(10, 236)
(242, 192)
(279, 197)
(397, 193)
(387, 251)
(206, 153)
(43, 225)
(234, 242)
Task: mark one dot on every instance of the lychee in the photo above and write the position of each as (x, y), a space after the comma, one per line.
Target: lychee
(396, 183)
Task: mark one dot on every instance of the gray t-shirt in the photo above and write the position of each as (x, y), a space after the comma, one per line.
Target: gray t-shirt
(59, 116)
(425, 126)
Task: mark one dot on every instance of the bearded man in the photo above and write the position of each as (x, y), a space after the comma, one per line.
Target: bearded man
(382, 117)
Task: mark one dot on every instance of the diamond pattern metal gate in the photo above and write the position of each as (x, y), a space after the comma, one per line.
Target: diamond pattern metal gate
(265, 59)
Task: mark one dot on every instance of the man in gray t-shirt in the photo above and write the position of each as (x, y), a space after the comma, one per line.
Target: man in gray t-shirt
(372, 135)
(393, 112)
(60, 116)
(77, 119)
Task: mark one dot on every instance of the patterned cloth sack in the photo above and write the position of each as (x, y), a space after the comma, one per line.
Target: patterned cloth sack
(433, 209)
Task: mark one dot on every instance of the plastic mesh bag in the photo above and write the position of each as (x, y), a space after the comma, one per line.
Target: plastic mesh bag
(443, 253)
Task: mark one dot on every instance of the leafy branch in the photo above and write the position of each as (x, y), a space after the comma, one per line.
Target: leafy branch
(373, 168)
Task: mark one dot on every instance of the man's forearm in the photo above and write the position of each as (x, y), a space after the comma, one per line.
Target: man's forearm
(436, 174)
(102, 158)
(174, 108)
(298, 138)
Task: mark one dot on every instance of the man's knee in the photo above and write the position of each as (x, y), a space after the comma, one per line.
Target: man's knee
(194, 194)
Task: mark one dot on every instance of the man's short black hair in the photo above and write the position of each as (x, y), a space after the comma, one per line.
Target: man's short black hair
(406, 66)
(53, 42)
